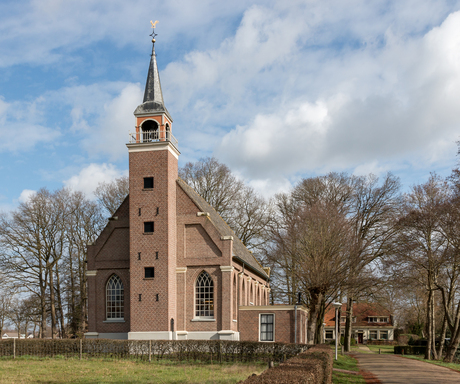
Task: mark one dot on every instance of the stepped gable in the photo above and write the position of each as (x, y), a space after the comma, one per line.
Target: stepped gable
(239, 249)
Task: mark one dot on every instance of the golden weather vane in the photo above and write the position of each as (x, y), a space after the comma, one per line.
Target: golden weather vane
(153, 34)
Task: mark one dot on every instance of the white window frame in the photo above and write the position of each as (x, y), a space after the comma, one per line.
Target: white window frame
(118, 303)
(260, 324)
(332, 332)
(384, 331)
(196, 298)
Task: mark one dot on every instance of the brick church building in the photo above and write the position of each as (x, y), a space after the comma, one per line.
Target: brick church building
(167, 266)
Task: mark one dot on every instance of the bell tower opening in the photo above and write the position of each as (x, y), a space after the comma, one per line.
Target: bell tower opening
(150, 131)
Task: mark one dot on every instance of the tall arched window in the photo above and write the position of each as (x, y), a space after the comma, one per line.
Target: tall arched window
(114, 298)
(168, 132)
(204, 296)
(243, 295)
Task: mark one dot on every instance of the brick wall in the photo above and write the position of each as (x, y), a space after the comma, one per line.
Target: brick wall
(284, 323)
(109, 255)
(157, 205)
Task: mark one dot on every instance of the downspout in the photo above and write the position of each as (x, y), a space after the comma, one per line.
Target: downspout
(238, 302)
(295, 322)
(295, 315)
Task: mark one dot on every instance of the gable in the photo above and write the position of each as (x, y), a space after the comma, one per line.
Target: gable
(198, 244)
(240, 252)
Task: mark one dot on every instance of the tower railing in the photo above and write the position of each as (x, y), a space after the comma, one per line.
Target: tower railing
(152, 137)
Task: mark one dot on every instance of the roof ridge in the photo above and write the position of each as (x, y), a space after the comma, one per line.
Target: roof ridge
(238, 243)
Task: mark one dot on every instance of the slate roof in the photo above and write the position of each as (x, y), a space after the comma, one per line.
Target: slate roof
(240, 252)
(153, 96)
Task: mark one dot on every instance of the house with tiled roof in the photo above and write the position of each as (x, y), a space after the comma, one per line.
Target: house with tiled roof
(371, 321)
(167, 266)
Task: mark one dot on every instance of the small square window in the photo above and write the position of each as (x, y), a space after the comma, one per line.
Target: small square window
(148, 182)
(329, 334)
(149, 272)
(267, 327)
(148, 227)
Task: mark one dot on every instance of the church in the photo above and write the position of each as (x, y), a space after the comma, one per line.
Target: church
(167, 266)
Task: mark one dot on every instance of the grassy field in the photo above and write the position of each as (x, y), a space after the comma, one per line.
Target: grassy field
(35, 370)
(350, 364)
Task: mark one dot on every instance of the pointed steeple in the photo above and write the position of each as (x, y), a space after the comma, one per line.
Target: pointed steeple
(153, 86)
(153, 96)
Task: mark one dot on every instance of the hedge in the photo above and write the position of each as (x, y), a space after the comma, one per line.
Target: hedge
(409, 350)
(312, 366)
(179, 350)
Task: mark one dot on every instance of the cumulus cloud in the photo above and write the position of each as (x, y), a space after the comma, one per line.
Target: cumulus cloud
(20, 128)
(25, 195)
(89, 178)
(397, 104)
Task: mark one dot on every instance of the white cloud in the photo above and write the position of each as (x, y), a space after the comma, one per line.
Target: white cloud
(89, 178)
(20, 128)
(25, 195)
(400, 103)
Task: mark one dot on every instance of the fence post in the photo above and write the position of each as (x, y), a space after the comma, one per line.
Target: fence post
(150, 351)
(81, 348)
(14, 348)
(220, 352)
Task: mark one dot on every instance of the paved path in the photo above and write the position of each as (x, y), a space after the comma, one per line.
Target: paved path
(389, 369)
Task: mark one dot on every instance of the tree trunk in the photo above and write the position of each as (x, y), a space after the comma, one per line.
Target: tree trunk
(443, 336)
(319, 323)
(348, 324)
(316, 298)
(59, 302)
(52, 304)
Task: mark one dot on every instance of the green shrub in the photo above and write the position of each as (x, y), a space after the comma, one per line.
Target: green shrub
(409, 350)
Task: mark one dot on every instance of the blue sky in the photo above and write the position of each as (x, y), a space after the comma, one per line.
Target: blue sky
(276, 90)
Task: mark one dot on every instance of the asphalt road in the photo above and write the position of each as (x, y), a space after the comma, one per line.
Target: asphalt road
(389, 369)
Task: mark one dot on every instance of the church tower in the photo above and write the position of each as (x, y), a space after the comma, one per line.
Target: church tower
(153, 158)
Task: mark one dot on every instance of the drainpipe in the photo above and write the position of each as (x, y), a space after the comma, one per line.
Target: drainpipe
(295, 315)
(238, 302)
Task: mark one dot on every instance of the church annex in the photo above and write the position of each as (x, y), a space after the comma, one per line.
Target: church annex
(167, 266)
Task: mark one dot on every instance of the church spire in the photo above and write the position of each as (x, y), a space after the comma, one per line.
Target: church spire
(153, 102)
(152, 85)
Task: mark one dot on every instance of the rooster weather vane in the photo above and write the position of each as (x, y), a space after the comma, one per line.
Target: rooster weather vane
(153, 34)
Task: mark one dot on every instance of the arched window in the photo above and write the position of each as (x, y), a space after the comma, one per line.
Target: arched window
(114, 298)
(168, 132)
(204, 296)
(150, 131)
(243, 295)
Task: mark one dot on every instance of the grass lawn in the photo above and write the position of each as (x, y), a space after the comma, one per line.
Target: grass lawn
(436, 362)
(383, 348)
(35, 370)
(350, 364)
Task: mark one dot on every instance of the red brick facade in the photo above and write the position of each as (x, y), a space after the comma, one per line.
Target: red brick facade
(188, 238)
(284, 323)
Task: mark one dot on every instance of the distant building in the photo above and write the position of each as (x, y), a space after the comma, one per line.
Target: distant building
(167, 266)
(371, 321)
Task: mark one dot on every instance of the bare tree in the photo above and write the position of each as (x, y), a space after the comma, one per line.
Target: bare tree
(372, 213)
(421, 248)
(111, 194)
(245, 211)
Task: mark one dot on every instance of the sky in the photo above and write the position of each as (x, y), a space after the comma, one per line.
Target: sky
(277, 90)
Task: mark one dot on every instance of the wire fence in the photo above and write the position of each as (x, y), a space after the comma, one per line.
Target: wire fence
(205, 351)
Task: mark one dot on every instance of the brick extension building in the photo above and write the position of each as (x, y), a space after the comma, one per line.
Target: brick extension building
(167, 266)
